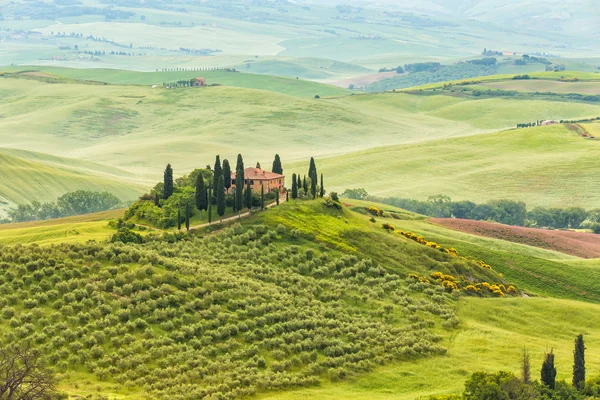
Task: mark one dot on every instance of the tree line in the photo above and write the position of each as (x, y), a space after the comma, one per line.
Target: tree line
(74, 203)
(504, 211)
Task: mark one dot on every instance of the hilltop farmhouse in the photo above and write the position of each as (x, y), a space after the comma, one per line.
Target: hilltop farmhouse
(258, 178)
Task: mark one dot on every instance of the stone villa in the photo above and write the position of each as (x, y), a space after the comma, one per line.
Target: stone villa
(258, 177)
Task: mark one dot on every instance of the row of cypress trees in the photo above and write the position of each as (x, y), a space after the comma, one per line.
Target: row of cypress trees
(302, 183)
(548, 373)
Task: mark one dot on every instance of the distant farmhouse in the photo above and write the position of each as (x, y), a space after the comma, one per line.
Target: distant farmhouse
(198, 82)
(549, 122)
(258, 178)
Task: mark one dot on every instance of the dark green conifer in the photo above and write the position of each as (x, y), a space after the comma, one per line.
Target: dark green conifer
(322, 190)
(226, 175)
(294, 187)
(277, 167)
(579, 363)
(277, 197)
(549, 371)
(200, 196)
(287, 196)
(249, 197)
(239, 183)
(218, 172)
(305, 184)
(179, 218)
(299, 183)
(209, 206)
(221, 197)
(168, 182)
(156, 199)
(187, 216)
(262, 197)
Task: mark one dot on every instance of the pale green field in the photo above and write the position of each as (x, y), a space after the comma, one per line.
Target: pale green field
(491, 338)
(27, 176)
(546, 166)
(119, 126)
(77, 229)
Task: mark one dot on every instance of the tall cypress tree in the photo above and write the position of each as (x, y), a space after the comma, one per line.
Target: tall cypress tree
(187, 216)
(579, 363)
(258, 165)
(277, 197)
(221, 197)
(209, 206)
(299, 183)
(156, 200)
(525, 368)
(248, 196)
(287, 196)
(226, 175)
(314, 178)
(168, 182)
(305, 184)
(277, 167)
(200, 195)
(179, 218)
(549, 371)
(322, 191)
(239, 183)
(294, 187)
(262, 197)
(218, 171)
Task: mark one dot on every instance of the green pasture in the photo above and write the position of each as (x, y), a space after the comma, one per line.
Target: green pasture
(544, 166)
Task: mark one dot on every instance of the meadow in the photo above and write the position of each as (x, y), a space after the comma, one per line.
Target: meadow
(543, 166)
(483, 341)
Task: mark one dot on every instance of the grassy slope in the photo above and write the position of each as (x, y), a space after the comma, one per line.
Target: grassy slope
(78, 229)
(491, 338)
(289, 86)
(25, 177)
(546, 166)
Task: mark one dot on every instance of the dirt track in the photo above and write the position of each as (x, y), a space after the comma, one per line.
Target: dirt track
(580, 244)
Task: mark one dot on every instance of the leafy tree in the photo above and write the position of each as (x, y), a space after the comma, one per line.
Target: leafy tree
(356, 194)
(221, 197)
(168, 182)
(125, 235)
(249, 196)
(200, 196)
(277, 167)
(549, 371)
(226, 175)
(579, 363)
(218, 172)
(498, 386)
(294, 187)
(239, 183)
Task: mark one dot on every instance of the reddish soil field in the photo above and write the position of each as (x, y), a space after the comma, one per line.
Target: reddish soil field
(580, 244)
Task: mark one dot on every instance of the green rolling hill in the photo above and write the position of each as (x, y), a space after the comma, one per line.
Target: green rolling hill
(27, 176)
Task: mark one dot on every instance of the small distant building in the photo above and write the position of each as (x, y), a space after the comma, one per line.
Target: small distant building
(549, 122)
(197, 82)
(258, 178)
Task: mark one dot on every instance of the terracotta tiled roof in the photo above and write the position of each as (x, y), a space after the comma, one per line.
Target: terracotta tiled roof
(258, 174)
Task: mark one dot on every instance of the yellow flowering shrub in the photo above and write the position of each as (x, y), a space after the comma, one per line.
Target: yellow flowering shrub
(389, 227)
(375, 211)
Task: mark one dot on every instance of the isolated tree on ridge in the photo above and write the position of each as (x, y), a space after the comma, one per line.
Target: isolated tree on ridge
(258, 165)
(168, 182)
(277, 167)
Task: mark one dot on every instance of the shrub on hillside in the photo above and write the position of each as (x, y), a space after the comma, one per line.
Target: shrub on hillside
(125, 235)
